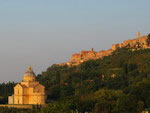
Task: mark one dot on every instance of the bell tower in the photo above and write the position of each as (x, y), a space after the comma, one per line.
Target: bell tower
(138, 34)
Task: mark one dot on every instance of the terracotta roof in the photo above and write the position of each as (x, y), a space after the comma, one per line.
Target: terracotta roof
(85, 52)
(76, 55)
(24, 86)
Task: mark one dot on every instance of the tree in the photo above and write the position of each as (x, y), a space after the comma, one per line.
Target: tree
(103, 106)
(148, 39)
(125, 105)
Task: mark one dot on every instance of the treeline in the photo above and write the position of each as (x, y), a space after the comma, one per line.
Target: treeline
(6, 89)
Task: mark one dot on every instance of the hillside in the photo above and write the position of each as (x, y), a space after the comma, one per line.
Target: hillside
(102, 85)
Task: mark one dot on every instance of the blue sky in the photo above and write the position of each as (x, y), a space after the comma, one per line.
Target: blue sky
(43, 32)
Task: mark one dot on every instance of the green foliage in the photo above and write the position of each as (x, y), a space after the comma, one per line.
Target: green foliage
(148, 39)
(125, 105)
(125, 71)
(119, 83)
(6, 89)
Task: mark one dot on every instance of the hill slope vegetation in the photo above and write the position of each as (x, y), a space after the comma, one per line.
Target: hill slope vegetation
(119, 83)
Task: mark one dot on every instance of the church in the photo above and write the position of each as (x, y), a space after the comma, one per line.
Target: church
(29, 91)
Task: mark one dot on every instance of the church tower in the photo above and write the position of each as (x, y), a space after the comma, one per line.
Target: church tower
(138, 34)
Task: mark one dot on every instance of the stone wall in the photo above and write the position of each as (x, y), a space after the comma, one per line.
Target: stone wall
(22, 106)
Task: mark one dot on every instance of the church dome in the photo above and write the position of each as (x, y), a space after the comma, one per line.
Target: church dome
(29, 75)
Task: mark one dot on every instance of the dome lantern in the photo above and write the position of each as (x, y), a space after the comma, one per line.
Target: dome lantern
(29, 75)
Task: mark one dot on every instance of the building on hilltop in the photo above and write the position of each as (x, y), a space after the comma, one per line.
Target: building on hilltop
(29, 91)
(140, 42)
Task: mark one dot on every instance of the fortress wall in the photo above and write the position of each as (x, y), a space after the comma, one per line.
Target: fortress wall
(115, 46)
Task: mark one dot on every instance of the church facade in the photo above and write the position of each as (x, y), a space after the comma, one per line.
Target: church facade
(29, 91)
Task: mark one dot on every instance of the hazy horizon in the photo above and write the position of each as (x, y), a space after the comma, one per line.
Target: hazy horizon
(45, 32)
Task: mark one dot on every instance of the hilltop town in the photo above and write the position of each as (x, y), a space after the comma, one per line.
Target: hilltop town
(140, 42)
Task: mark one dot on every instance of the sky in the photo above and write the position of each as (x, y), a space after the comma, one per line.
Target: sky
(40, 33)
